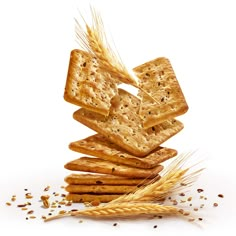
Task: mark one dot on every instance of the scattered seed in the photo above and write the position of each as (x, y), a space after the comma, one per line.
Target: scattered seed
(24, 208)
(62, 186)
(74, 210)
(47, 188)
(202, 205)
(215, 204)
(26, 218)
(80, 221)
(45, 197)
(200, 219)
(62, 202)
(182, 194)
(46, 203)
(8, 203)
(189, 199)
(191, 219)
(22, 205)
(195, 209)
(199, 190)
(44, 217)
(30, 212)
(155, 226)
(190, 204)
(49, 213)
(13, 198)
(160, 217)
(32, 217)
(187, 213)
(205, 198)
(174, 202)
(115, 224)
(63, 195)
(201, 197)
(220, 195)
(28, 196)
(26, 189)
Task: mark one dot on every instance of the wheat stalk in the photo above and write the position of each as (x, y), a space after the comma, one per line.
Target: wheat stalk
(94, 40)
(172, 180)
(124, 210)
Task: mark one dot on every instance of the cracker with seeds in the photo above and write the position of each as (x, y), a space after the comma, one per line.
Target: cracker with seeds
(165, 100)
(88, 86)
(102, 179)
(124, 127)
(99, 146)
(100, 189)
(79, 198)
(97, 165)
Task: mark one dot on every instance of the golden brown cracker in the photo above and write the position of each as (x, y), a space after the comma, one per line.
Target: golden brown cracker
(79, 198)
(124, 127)
(97, 165)
(102, 179)
(100, 189)
(165, 99)
(98, 146)
(86, 85)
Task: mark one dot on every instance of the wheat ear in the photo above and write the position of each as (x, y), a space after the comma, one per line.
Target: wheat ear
(94, 40)
(123, 210)
(174, 179)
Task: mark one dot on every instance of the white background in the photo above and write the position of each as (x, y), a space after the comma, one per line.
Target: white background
(36, 124)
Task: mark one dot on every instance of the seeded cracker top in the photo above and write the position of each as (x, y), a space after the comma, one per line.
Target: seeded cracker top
(123, 126)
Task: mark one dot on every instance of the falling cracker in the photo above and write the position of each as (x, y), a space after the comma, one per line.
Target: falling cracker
(88, 86)
(123, 126)
(163, 98)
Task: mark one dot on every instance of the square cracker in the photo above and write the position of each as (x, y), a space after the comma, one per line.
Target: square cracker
(124, 127)
(100, 189)
(98, 146)
(158, 79)
(78, 198)
(100, 179)
(88, 86)
(97, 165)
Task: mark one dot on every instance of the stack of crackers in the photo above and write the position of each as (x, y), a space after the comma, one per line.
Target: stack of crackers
(126, 150)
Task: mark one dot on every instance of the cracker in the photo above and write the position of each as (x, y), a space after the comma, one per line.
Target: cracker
(98, 179)
(100, 189)
(78, 198)
(97, 165)
(124, 127)
(98, 146)
(88, 86)
(167, 101)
